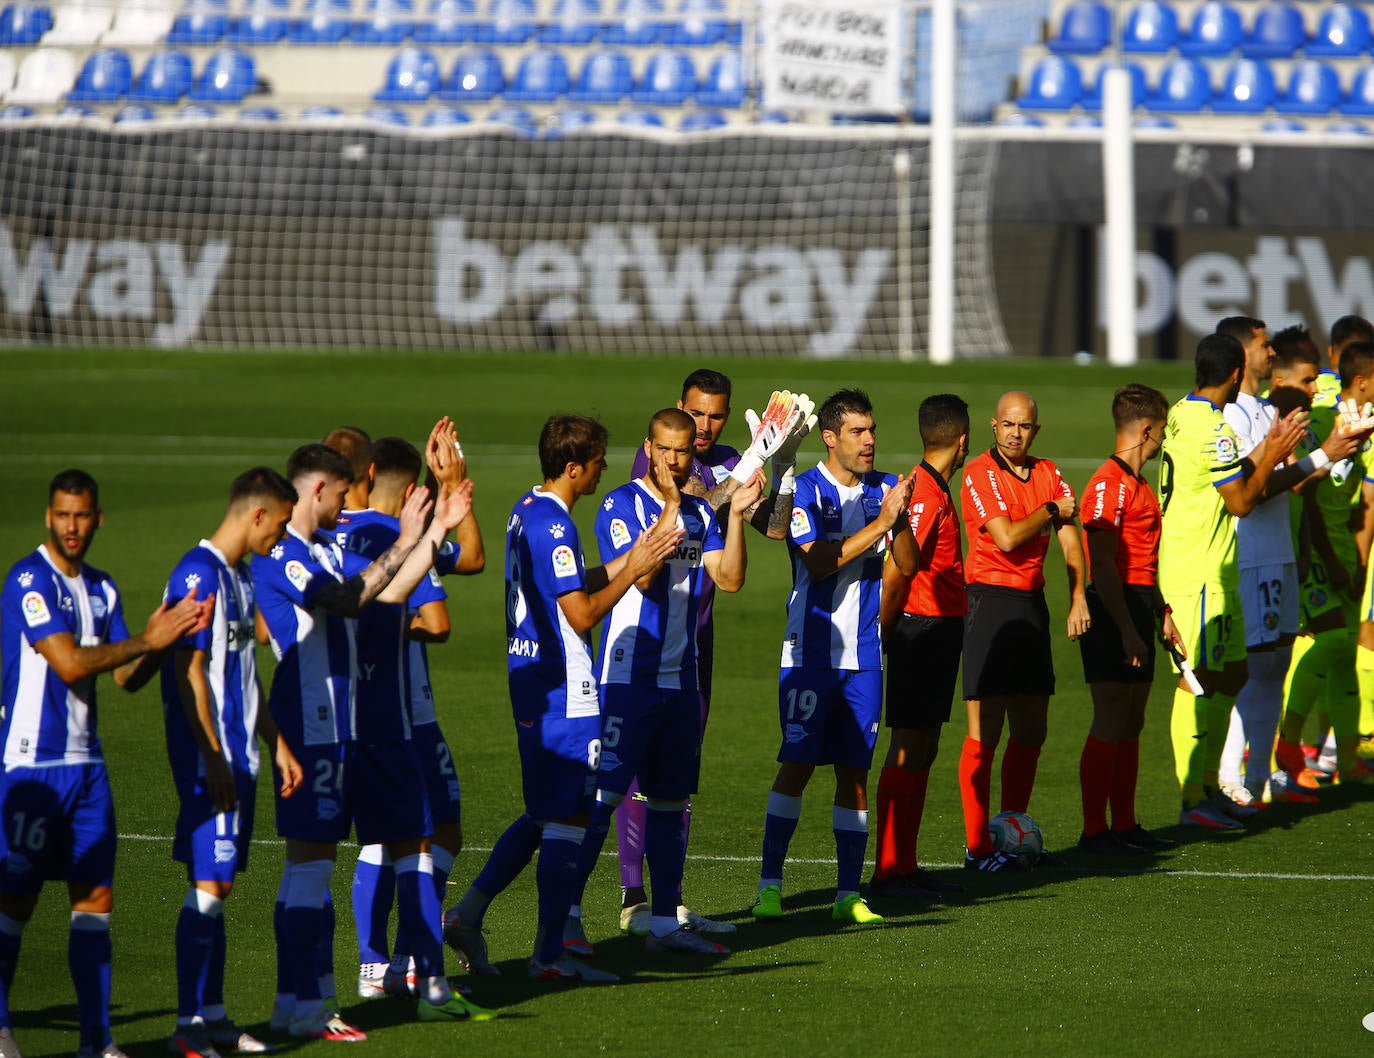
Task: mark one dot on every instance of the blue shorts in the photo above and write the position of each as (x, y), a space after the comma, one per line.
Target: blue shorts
(56, 824)
(441, 777)
(653, 734)
(830, 716)
(213, 844)
(558, 761)
(318, 810)
(386, 790)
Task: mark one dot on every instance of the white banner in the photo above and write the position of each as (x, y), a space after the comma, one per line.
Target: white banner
(830, 55)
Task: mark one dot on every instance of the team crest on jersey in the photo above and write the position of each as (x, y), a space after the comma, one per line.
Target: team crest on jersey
(801, 524)
(97, 607)
(558, 530)
(794, 733)
(192, 581)
(564, 561)
(297, 574)
(609, 761)
(1226, 449)
(278, 551)
(224, 850)
(35, 609)
(1316, 597)
(25, 579)
(326, 808)
(610, 502)
(620, 532)
(1271, 621)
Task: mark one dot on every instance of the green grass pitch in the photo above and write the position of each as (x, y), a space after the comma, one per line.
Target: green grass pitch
(1249, 944)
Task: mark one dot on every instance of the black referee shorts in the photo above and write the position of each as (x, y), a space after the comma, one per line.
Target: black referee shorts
(1007, 643)
(922, 670)
(1103, 659)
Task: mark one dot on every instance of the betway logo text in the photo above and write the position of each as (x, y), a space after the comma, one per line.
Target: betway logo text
(119, 278)
(1213, 285)
(771, 286)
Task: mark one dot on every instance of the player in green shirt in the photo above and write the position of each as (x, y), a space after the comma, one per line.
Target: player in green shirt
(1345, 330)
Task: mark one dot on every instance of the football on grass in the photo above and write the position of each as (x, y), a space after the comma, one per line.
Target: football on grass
(1018, 835)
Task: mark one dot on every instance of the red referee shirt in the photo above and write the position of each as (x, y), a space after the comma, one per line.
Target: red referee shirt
(937, 590)
(992, 489)
(1117, 500)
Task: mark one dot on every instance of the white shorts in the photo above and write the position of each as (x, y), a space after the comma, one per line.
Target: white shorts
(1269, 596)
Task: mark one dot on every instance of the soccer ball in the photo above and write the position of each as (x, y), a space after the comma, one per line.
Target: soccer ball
(1018, 835)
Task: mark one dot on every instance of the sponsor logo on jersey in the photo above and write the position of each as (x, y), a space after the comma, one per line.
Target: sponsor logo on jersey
(620, 532)
(225, 850)
(1226, 449)
(801, 524)
(564, 561)
(35, 609)
(522, 648)
(689, 552)
(297, 574)
(973, 495)
(237, 633)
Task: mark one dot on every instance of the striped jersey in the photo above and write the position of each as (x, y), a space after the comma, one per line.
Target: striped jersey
(230, 664)
(650, 637)
(47, 721)
(1263, 535)
(832, 623)
(1197, 541)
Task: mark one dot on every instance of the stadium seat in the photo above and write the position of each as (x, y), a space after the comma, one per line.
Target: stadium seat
(699, 23)
(1085, 29)
(517, 119)
(573, 22)
(263, 22)
(79, 24)
(44, 77)
(74, 112)
(1248, 88)
(637, 23)
(1055, 84)
(166, 77)
(640, 119)
(1359, 100)
(1215, 30)
(24, 24)
(11, 112)
(477, 76)
(387, 116)
(562, 122)
(450, 22)
(1153, 121)
(135, 113)
(507, 22)
(1276, 126)
(773, 117)
(1017, 120)
(197, 112)
(1276, 32)
(1313, 88)
(541, 78)
(260, 113)
(201, 22)
(228, 77)
(8, 68)
(1348, 128)
(1092, 97)
(140, 24)
(444, 117)
(605, 77)
(387, 22)
(324, 115)
(669, 78)
(1083, 121)
(702, 120)
(1183, 87)
(1342, 31)
(106, 76)
(325, 22)
(724, 84)
(412, 76)
(1151, 28)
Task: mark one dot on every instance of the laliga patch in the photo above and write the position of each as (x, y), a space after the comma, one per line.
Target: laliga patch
(35, 609)
(297, 574)
(801, 523)
(620, 533)
(1226, 449)
(564, 561)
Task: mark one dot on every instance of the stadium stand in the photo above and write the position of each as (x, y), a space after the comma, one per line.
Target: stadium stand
(201, 22)
(106, 77)
(412, 77)
(166, 78)
(542, 77)
(229, 75)
(1342, 32)
(1085, 29)
(79, 24)
(606, 77)
(44, 77)
(477, 76)
(1151, 27)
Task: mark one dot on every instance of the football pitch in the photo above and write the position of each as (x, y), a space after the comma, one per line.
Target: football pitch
(1247, 943)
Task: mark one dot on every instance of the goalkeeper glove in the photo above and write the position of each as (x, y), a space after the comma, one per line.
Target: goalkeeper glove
(769, 432)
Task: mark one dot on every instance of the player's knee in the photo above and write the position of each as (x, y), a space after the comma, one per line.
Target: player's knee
(308, 883)
(663, 804)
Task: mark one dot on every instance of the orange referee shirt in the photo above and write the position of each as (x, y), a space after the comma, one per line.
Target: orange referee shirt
(937, 590)
(992, 489)
(1117, 500)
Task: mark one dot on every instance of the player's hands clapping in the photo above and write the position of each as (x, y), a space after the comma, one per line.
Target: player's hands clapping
(652, 548)
(444, 455)
(168, 623)
(454, 504)
(748, 494)
(414, 515)
(895, 502)
(786, 455)
(768, 432)
(1285, 434)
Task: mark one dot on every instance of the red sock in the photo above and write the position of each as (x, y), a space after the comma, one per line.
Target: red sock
(901, 800)
(1123, 785)
(1018, 775)
(975, 790)
(1095, 773)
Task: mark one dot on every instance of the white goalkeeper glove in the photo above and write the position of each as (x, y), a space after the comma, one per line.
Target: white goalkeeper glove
(786, 455)
(1354, 419)
(768, 432)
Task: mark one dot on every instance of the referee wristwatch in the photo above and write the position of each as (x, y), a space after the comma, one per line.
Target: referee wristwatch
(1052, 509)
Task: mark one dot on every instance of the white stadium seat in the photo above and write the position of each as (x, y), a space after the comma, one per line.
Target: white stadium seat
(45, 76)
(6, 72)
(79, 24)
(140, 24)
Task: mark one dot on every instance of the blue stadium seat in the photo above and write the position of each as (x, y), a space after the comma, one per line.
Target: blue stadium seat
(1313, 88)
(229, 75)
(166, 77)
(1084, 121)
(1277, 32)
(517, 119)
(201, 22)
(106, 76)
(507, 22)
(1215, 30)
(450, 22)
(1342, 31)
(1153, 121)
(1360, 99)
(701, 120)
(1055, 84)
(24, 24)
(15, 113)
(387, 22)
(640, 119)
(1092, 97)
(574, 22)
(411, 77)
(197, 112)
(669, 78)
(1248, 88)
(562, 122)
(260, 113)
(1085, 29)
(773, 117)
(477, 76)
(699, 23)
(605, 77)
(1348, 128)
(324, 22)
(724, 84)
(135, 113)
(541, 78)
(1183, 88)
(1151, 28)
(74, 112)
(637, 23)
(445, 117)
(387, 116)
(1017, 120)
(1276, 126)
(323, 114)
(262, 22)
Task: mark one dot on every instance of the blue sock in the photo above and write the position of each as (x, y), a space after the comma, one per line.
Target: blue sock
(417, 911)
(324, 955)
(279, 934)
(374, 884)
(213, 1000)
(304, 929)
(851, 842)
(509, 856)
(88, 954)
(11, 933)
(666, 851)
(195, 944)
(778, 827)
(556, 877)
(598, 826)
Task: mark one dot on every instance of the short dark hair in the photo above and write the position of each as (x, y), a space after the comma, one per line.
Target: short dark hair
(317, 458)
(1351, 329)
(395, 457)
(841, 403)
(708, 381)
(1357, 358)
(1136, 401)
(355, 445)
(942, 418)
(1217, 356)
(74, 481)
(671, 419)
(261, 483)
(569, 439)
(1294, 345)
(1240, 327)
